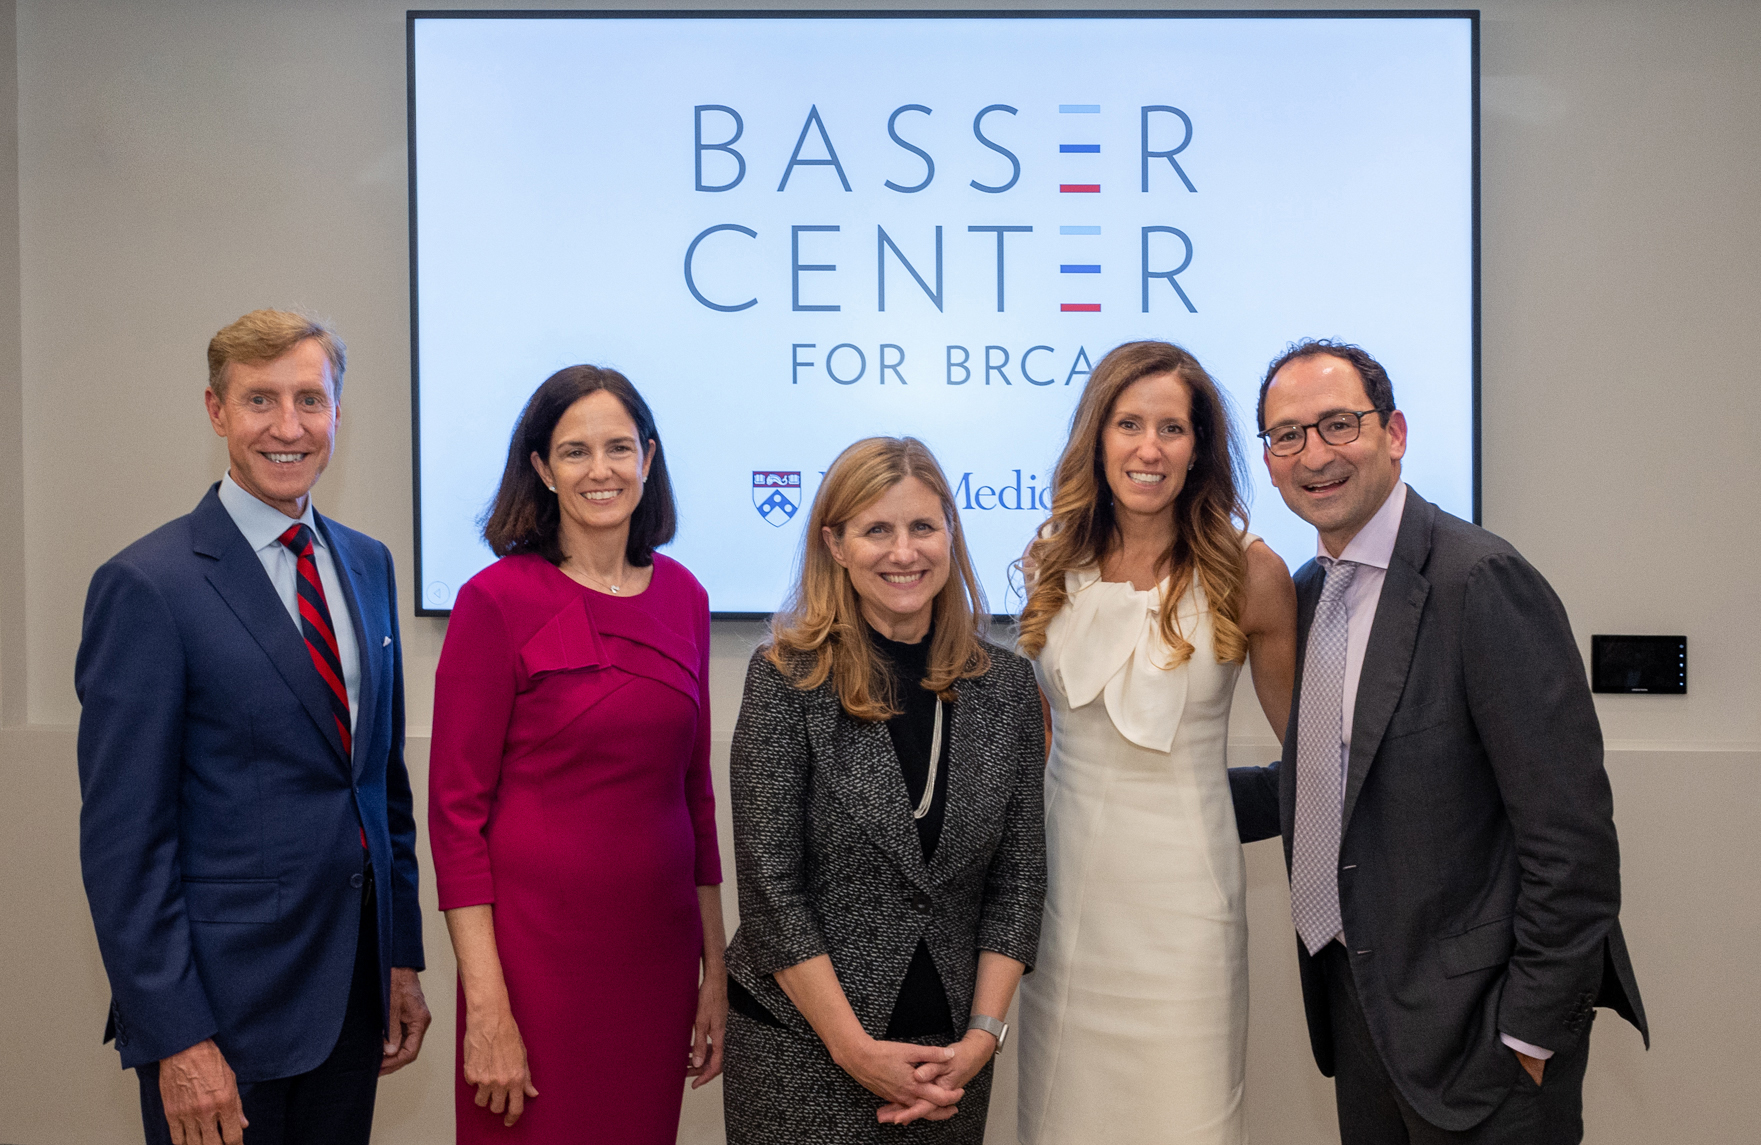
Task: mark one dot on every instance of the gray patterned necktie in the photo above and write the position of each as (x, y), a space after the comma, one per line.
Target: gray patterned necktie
(1320, 771)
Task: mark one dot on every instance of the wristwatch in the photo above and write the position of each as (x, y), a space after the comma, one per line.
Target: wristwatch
(994, 1027)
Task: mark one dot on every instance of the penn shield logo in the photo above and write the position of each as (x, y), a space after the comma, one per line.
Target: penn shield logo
(776, 494)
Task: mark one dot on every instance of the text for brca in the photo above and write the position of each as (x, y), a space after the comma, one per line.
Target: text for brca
(847, 363)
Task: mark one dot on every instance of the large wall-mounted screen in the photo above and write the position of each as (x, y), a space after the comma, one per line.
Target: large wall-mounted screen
(791, 232)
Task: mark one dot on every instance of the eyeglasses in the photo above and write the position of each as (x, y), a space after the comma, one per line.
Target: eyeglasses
(1341, 427)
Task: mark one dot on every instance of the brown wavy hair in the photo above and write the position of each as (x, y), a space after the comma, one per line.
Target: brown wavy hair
(819, 633)
(1209, 513)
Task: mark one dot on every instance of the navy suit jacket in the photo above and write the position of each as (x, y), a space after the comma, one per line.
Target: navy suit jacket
(1479, 874)
(220, 821)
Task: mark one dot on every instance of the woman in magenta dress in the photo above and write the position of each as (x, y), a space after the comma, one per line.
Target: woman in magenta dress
(570, 808)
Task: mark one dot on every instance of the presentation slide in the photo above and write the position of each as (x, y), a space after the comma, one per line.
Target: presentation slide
(794, 232)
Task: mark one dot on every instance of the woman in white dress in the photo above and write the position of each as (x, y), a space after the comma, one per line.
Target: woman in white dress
(1145, 595)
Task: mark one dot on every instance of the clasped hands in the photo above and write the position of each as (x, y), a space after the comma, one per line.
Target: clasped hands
(917, 1081)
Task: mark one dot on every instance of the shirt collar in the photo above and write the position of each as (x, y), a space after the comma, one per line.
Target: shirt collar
(1374, 543)
(262, 524)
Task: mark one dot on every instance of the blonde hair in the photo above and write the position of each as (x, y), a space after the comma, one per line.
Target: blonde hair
(264, 335)
(819, 632)
(1209, 515)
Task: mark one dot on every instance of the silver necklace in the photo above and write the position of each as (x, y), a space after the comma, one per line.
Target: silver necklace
(612, 588)
(935, 753)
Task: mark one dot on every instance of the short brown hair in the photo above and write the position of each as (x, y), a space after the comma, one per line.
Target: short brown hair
(820, 632)
(263, 336)
(1377, 387)
(525, 518)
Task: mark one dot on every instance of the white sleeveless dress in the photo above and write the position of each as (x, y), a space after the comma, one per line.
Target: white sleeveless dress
(1134, 1021)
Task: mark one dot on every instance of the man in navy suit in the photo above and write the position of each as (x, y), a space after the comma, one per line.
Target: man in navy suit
(246, 832)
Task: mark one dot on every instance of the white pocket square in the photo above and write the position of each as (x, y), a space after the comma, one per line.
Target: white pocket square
(387, 642)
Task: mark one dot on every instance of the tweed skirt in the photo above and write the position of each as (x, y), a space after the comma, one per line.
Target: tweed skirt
(779, 1088)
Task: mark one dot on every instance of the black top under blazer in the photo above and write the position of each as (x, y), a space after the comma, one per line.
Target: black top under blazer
(1479, 870)
(828, 860)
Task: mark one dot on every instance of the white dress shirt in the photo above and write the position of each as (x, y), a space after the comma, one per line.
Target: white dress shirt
(1371, 550)
(262, 525)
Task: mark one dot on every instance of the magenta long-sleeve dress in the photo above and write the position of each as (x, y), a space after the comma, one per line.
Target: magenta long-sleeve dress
(569, 786)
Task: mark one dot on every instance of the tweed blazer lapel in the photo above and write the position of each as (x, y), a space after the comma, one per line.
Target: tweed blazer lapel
(979, 784)
(862, 770)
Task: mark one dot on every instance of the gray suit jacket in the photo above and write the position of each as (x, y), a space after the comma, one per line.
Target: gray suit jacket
(829, 862)
(1479, 871)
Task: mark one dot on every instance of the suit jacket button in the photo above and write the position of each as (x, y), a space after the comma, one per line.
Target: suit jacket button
(920, 903)
(355, 880)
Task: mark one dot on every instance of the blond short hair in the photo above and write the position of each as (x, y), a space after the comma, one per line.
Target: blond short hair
(264, 335)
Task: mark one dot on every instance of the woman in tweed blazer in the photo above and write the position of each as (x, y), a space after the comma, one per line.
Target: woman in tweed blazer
(890, 875)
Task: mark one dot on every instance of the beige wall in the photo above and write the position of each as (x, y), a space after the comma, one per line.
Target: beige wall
(179, 162)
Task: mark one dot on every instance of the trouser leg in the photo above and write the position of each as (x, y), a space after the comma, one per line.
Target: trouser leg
(333, 1104)
(1369, 1112)
(153, 1127)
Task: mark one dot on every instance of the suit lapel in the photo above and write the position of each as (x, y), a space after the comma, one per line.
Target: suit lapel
(239, 578)
(352, 574)
(1393, 635)
(864, 774)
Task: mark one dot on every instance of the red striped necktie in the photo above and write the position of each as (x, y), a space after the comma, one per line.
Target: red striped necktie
(319, 632)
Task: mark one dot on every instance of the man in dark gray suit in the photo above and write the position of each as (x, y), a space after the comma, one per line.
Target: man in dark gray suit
(1447, 822)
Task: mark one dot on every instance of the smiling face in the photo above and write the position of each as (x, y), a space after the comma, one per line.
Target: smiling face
(597, 464)
(1335, 488)
(898, 554)
(1147, 445)
(279, 421)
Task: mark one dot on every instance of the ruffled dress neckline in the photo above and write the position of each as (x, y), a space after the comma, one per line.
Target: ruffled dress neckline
(1112, 648)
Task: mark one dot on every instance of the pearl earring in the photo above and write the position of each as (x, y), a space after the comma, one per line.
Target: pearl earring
(552, 488)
